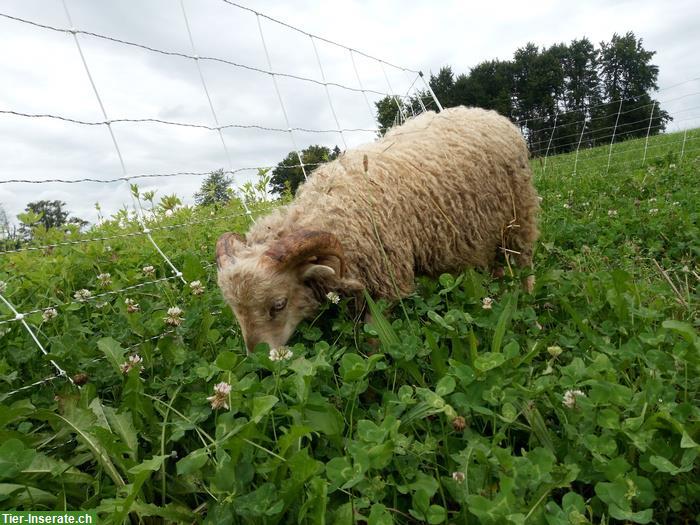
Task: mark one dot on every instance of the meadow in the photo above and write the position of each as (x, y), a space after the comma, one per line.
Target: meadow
(480, 404)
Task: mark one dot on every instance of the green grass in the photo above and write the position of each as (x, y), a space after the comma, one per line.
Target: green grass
(457, 416)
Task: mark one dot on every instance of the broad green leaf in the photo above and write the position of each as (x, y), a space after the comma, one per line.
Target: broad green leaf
(21, 495)
(123, 425)
(685, 330)
(436, 514)
(149, 465)
(327, 420)
(113, 351)
(687, 441)
(192, 462)
(438, 319)
(352, 367)
(192, 269)
(368, 431)
(445, 386)
(226, 360)
(488, 361)
(14, 458)
(379, 515)
(338, 471)
(79, 421)
(261, 406)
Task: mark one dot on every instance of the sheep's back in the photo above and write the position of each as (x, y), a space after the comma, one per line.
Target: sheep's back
(440, 190)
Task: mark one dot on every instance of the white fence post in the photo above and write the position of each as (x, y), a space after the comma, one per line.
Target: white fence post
(578, 146)
(612, 140)
(432, 93)
(685, 136)
(646, 142)
(551, 136)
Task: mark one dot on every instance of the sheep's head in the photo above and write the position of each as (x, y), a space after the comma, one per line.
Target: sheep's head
(272, 287)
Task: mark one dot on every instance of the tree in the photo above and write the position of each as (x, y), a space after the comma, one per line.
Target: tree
(9, 236)
(214, 189)
(488, 85)
(387, 111)
(538, 86)
(627, 77)
(582, 97)
(288, 175)
(561, 97)
(443, 86)
(49, 214)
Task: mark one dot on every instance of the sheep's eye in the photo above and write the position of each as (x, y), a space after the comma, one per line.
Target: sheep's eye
(278, 305)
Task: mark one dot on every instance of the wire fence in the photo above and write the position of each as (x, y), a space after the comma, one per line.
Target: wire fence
(400, 83)
(141, 225)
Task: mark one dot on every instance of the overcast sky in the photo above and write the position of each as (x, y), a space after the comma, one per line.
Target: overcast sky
(42, 72)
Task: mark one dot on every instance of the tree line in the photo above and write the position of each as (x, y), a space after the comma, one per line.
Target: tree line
(560, 96)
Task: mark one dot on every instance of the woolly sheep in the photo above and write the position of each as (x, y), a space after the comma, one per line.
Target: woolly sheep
(440, 193)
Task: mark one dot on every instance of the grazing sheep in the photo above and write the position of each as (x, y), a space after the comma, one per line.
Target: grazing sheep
(440, 193)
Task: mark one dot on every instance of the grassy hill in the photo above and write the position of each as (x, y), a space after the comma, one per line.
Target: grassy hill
(576, 404)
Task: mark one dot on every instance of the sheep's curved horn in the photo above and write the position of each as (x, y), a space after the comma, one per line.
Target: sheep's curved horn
(225, 247)
(304, 244)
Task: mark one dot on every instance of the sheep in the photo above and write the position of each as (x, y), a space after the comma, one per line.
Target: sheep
(438, 194)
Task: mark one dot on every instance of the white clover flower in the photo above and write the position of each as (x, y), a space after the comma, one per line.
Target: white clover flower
(134, 361)
(82, 295)
(654, 211)
(222, 388)
(554, 351)
(197, 287)
(486, 303)
(3, 286)
(612, 213)
(49, 314)
(459, 477)
(174, 316)
(131, 306)
(148, 270)
(220, 397)
(281, 353)
(105, 279)
(333, 297)
(168, 213)
(569, 400)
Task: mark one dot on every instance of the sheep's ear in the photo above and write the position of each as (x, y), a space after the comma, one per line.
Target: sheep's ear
(226, 247)
(315, 272)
